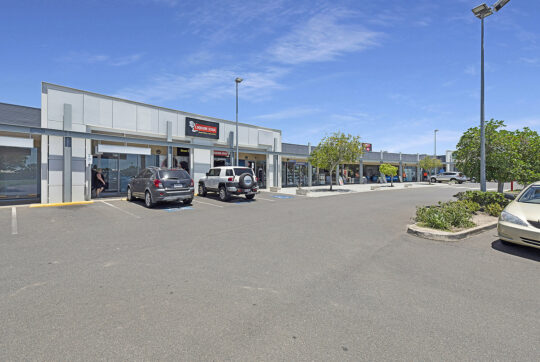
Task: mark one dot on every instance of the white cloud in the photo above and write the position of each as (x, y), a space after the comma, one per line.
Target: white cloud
(105, 59)
(289, 113)
(323, 37)
(532, 123)
(214, 83)
(530, 60)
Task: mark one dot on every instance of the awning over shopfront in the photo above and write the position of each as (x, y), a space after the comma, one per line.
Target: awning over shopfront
(16, 142)
(128, 150)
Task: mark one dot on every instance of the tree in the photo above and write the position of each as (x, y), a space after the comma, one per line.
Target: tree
(529, 152)
(334, 150)
(428, 163)
(504, 163)
(388, 170)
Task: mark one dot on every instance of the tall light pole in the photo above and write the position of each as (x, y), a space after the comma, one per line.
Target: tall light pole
(237, 81)
(482, 11)
(435, 143)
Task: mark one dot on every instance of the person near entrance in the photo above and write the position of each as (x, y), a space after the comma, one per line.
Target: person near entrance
(98, 182)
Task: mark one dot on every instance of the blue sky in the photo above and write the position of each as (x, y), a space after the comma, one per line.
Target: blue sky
(389, 71)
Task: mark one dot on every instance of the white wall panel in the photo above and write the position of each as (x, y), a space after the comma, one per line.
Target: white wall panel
(78, 147)
(201, 164)
(55, 107)
(266, 138)
(147, 119)
(124, 115)
(56, 145)
(77, 193)
(55, 194)
(243, 135)
(253, 136)
(98, 111)
(181, 126)
(167, 116)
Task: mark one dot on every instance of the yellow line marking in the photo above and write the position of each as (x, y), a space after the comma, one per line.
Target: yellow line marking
(62, 204)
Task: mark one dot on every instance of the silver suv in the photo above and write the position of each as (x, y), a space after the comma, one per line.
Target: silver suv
(449, 177)
(229, 180)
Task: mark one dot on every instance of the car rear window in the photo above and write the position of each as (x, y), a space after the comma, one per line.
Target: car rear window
(238, 171)
(173, 175)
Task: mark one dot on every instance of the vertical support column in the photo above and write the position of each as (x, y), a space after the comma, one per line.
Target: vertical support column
(44, 169)
(337, 175)
(401, 167)
(361, 169)
(88, 162)
(169, 148)
(418, 175)
(310, 171)
(67, 154)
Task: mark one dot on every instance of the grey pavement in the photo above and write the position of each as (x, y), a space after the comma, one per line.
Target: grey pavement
(333, 278)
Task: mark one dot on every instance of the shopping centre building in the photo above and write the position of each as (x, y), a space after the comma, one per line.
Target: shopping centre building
(47, 154)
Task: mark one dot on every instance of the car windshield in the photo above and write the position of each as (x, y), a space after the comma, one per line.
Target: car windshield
(173, 175)
(238, 171)
(531, 196)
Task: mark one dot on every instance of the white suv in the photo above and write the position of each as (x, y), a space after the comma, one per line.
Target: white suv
(449, 177)
(229, 180)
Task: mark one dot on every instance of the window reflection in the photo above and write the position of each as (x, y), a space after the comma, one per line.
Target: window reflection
(19, 173)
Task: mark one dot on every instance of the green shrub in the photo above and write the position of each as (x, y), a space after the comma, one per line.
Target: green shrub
(494, 209)
(472, 206)
(483, 198)
(445, 216)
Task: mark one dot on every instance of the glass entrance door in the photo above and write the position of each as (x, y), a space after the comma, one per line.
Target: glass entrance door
(109, 169)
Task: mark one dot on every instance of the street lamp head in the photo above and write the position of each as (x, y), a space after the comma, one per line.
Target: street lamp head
(499, 4)
(238, 80)
(436, 130)
(481, 11)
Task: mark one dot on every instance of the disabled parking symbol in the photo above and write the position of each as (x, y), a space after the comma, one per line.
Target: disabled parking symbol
(282, 197)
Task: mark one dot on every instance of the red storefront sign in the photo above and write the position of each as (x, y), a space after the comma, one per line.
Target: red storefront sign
(221, 153)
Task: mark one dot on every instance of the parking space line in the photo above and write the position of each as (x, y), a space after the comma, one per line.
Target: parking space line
(207, 203)
(124, 211)
(14, 230)
(260, 198)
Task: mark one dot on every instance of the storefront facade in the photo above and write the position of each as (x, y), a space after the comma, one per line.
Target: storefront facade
(48, 155)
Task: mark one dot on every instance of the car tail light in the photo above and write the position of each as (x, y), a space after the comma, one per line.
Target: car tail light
(191, 183)
(157, 183)
(230, 179)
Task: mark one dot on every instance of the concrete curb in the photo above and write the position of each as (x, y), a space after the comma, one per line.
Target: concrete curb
(62, 204)
(440, 235)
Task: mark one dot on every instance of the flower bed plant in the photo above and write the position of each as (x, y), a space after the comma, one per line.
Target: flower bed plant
(453, 215)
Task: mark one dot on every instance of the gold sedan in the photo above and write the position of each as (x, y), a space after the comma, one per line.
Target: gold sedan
(519, 222)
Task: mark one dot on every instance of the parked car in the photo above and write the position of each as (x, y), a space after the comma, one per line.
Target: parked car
(449, 177)
(519, 222)
(156, 184)
(229, 180)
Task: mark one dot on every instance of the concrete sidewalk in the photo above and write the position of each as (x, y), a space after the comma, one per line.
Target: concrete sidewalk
(320, 191)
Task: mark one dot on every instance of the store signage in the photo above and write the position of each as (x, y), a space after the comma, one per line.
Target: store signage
(221, 153)
(200, 128)
(367, 147)
(16, 142)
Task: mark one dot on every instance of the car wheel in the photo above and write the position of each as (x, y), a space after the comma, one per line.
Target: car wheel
(460, 182)
(250, 197)
(223, 194)
(202, 190)
(433, 180)
(129, 196)
(187, 201)
(148, 200)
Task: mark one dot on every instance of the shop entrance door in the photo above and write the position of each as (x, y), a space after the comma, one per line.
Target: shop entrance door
(260, 172)
(109, 169)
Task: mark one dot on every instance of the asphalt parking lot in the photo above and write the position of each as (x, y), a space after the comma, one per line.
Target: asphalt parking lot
(277, 278)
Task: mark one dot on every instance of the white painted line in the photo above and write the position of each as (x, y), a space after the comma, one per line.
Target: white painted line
(124, 211)
(14, 230)
(260, 198)
(207, 203)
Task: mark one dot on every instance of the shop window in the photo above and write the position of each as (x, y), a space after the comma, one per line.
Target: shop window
(19, 173)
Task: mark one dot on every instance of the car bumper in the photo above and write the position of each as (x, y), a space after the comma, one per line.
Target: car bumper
(517, 234)
(240, 191)
(173, 195)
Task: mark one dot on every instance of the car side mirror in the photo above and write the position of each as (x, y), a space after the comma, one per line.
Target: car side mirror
(208, 174)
